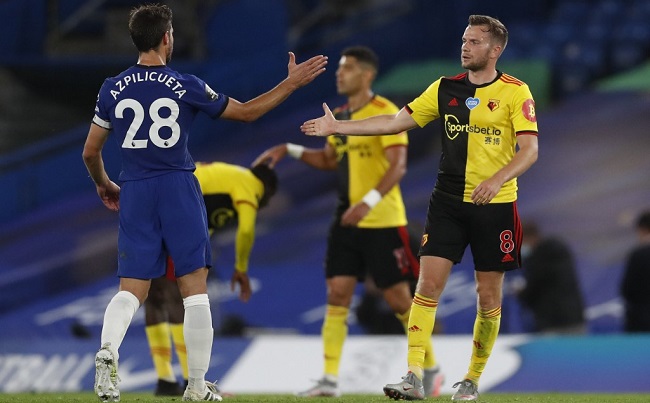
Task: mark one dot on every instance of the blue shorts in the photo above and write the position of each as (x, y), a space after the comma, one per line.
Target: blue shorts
(161, 216)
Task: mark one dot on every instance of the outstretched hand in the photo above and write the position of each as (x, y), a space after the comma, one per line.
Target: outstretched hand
(305, 72)
(323, 126)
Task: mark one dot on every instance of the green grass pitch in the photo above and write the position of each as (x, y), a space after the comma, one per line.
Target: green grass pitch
(136, 397)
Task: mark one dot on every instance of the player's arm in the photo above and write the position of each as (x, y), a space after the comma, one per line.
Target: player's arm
(244, 241)
(299, 75)
(107, 190)
(397, 157)
(523, 159)
(375, 125)
(324, 158)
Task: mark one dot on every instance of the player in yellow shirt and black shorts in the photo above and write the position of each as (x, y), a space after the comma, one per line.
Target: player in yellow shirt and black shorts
(489, 138)
(232, 195)
(368, 235)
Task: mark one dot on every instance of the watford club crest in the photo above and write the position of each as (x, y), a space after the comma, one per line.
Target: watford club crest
(493, 104)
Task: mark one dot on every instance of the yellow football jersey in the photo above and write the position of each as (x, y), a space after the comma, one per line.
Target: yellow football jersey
(481, 124)
(226, 190)
(362, 163)
(225, 187)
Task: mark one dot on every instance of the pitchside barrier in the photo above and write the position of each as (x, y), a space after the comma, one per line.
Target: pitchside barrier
(260, 364)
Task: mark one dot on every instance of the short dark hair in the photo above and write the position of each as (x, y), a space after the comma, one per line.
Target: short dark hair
(269, 179)
(148, 24)
(497, 30)
(643, 222)
(363, 54)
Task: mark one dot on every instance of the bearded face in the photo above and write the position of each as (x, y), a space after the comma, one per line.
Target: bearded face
(476, 48)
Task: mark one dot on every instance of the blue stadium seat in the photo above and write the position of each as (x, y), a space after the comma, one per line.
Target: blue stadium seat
(597, 32)
(572, 78)
(625, 55)
(524, 34)
(570, 11)
(549, 52)
(592, 55)
(639, 8)
(559, 32)
(610, 8)
(634, 30)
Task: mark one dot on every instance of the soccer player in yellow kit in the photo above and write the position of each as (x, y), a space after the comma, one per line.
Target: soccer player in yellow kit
(489, 139)
(232, 194)
(368, 234)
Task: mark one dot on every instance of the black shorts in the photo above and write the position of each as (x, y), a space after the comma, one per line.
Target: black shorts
(492, 231)
(384, 253)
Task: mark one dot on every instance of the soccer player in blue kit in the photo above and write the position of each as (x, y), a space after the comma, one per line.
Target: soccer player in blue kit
(150, 107)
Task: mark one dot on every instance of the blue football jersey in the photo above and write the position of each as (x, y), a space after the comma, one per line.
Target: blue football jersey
(151, 110)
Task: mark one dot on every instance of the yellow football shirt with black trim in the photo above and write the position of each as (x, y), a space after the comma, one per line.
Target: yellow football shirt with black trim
(480, 128)
(226, 188)
(361, 163)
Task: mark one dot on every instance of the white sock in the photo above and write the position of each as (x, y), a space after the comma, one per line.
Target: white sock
(117, 319)
(197, 329)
